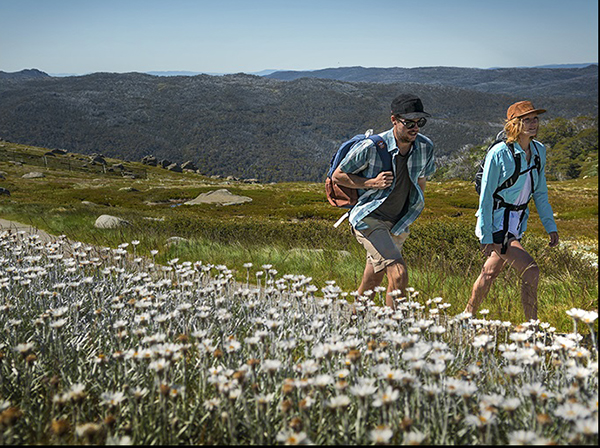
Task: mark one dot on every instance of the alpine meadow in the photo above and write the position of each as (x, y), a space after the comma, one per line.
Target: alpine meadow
(189, 285)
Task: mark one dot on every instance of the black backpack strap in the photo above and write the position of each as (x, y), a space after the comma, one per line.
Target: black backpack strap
(498, 200)
(516, 173)
(536, 158)
(537, 165)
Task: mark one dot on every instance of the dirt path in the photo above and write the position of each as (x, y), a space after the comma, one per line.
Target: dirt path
(14, 226)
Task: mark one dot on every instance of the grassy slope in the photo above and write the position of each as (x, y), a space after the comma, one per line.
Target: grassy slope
(441, 253)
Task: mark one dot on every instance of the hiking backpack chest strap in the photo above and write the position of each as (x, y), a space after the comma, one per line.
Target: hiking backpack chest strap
(499, 201)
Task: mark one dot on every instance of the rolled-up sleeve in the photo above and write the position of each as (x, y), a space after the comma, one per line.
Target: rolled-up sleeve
(430, 165)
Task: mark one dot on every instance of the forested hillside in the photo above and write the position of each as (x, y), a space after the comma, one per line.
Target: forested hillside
(241, 125)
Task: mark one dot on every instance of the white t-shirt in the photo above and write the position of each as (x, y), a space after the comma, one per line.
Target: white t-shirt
(515, 216)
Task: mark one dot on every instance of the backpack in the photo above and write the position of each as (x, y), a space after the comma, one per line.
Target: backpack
(344, 197)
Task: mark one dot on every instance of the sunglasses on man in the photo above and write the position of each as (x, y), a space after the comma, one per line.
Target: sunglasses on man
(409, 124)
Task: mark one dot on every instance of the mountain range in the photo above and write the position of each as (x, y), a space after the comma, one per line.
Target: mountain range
(282, 126)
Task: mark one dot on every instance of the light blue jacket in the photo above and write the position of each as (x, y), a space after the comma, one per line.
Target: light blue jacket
(499, 166)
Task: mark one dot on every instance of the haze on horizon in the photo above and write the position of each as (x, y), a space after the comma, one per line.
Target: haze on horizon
(230, 36)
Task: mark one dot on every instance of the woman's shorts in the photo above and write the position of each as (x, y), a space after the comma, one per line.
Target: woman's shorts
(499, 237)
(383, 248)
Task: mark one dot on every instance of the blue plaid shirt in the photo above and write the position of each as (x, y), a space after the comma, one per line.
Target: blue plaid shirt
(363, 160)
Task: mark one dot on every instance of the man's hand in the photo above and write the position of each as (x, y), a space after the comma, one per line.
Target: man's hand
(381, 182)
(553, 239)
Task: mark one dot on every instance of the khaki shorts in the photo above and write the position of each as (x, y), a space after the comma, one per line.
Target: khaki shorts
(383, 248)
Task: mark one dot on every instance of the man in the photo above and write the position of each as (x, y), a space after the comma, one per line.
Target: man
(389, 201)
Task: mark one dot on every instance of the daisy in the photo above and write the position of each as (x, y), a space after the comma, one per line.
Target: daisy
(414, 438)
(484, 418)
(363, 390)
(381, 435)
(290, 437)
(576, 313)
(112, 398)
(338, 402)
(386, 398)
(587, 426)
(159, 365)
(511, 404)
(271, 366)
(436, 369)
(211, 404)
(523, 438)
(572, 411)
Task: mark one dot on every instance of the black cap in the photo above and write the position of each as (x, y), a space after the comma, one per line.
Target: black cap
(408, 106)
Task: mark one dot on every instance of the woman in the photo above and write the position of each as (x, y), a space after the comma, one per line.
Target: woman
(503, 212)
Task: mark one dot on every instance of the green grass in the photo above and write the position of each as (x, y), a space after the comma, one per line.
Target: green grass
(290, 226)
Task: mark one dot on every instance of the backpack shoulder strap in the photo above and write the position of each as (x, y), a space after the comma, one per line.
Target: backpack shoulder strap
(382, 150)
(537, 161)
(515, 175)
(339, 155)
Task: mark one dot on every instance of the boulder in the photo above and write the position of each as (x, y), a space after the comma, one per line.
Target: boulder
(33, 175)
(175, 168)
(175, 240)
(98, 159)
(110, 222)
(317, 252)
(4, 192)
(189, 165)
(220, 197)
(149, 160)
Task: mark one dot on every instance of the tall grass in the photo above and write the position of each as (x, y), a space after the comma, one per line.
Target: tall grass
(442, 255)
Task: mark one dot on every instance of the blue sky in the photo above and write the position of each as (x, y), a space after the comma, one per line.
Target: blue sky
(220, 36)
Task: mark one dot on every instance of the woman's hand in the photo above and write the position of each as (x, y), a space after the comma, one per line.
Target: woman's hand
(553, 239)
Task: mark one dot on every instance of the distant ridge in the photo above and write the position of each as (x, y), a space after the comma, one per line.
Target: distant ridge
(567, 65)
(32, 73)
(572, 82)
(278, 73)
(175, 73)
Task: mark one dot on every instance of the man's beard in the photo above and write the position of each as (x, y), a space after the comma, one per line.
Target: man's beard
(407, 139)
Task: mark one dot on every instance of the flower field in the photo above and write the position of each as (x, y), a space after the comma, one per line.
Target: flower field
(102, 346)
